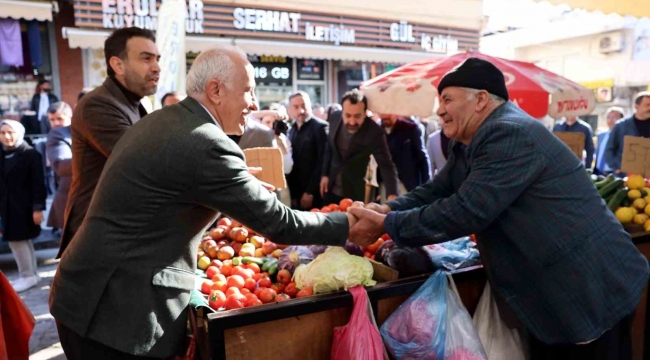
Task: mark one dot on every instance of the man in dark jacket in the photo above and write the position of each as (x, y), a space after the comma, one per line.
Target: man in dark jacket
(636, 125)
(352, 139)
(407, 150)
(308, 136)
(106, 113)
(569, 275)
(41, 101)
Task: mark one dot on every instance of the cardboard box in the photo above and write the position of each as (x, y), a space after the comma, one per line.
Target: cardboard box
(636, 156)
(271, 162)
(383, 273)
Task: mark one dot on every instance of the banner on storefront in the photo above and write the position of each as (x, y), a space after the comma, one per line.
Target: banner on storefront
(170, 40)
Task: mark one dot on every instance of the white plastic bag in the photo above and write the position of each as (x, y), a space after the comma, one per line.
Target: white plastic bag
(462, 341)
(499, 341)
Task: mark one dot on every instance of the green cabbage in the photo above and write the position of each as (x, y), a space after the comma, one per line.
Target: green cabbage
(334, 270)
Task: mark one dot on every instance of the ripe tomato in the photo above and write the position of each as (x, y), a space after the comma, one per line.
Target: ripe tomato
(284, 276)
(250, 284)
(250, 298)
(279, 288)
(244, 291)
(345, 204)
(232, 291)
(219, 277)
(212, 271)
(268, 295)
(255, 302)
(216, 262)
(385, 237)
(373, 248)
(236, 270)
(333, 207)
(306, 291)
(367, 254)
(314, 210)
(254, 267)
(224, 221)
(291, 290)
(258, 291)
(235, 301)
(216, 299)
(257, 277)
(282, 297)
(247, 273)
(236, 281)
(205, 287)
(264, 282)
(226, 269)
(325, 209)
(219, 285)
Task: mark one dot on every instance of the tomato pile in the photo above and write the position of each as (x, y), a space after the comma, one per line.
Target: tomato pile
(370, 250)
(242, 269)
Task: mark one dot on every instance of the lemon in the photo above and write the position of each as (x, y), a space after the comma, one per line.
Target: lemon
(647, 199)
(647, 190)
(635, 182)
(646, 226)
(639, 204)
(633, 210)
(640, 219)
(624, 215)
(634, 194)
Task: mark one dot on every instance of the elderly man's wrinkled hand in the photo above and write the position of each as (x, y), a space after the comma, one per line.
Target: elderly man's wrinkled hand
(369, 226)
(382, 209)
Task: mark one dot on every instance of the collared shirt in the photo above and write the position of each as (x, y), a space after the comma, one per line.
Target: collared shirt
(213, 118)
(602, 145)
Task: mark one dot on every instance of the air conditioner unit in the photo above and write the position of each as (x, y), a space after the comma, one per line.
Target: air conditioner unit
(610, 43)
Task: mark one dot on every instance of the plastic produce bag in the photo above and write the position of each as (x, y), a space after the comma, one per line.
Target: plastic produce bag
(499, 341)
(455, 254)
(416, 330)
(359, 339)
(462, 341)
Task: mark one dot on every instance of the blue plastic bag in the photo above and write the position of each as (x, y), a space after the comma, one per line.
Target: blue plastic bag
(416, 330)
(453, 255)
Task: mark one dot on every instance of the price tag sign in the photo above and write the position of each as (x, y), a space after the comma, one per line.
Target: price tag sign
(636, 155)
(575, 141)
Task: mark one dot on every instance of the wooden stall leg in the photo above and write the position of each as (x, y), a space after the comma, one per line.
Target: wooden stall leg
(217, 342)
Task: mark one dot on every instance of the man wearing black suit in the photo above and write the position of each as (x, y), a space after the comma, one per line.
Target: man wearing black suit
(308, 136)
(353, 137)
(41, 101)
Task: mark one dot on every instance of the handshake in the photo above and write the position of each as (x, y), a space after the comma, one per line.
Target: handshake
(366, 222)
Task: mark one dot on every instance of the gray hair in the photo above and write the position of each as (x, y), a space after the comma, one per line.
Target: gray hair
(471, 94)
(216, 63)
(302, 94)
(61, 107)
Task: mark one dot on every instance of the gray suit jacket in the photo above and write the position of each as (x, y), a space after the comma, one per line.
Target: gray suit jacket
(99, 121)
(255, 135)
(59, 154)
(125, 279)
(370, 139)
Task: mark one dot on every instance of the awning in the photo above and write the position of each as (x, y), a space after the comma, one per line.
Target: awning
(92, 39)
(28, 10)
(636, 8)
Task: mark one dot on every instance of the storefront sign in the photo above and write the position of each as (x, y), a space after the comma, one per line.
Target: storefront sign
(117, 14)
(265, 20)
(402, 32)
(272, 72)
(439, 44)
(636, 156)
(334, 34)
(311, 69)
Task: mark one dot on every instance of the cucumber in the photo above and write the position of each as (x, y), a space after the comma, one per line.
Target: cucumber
(252, 260)
(617, 199)
(608, 180)
(611, 187)
(236, 261)
(269, 264)
(273, 269)
(600, 178)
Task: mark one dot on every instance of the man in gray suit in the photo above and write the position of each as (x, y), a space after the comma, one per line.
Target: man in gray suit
(123, 286)
(103, 116)
(255, 135)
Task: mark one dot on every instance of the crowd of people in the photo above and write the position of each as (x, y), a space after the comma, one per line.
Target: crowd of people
(140, 190)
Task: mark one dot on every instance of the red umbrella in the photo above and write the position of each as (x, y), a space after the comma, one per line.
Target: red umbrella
(412, 88)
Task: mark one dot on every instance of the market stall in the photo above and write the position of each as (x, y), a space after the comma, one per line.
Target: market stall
(303, 328)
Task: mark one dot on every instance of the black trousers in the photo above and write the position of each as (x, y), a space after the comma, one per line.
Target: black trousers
(331, 198)
(77, 347)
(614, 344)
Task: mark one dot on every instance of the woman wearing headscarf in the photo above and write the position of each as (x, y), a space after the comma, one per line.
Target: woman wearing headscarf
(59, 155)
(22, 200)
